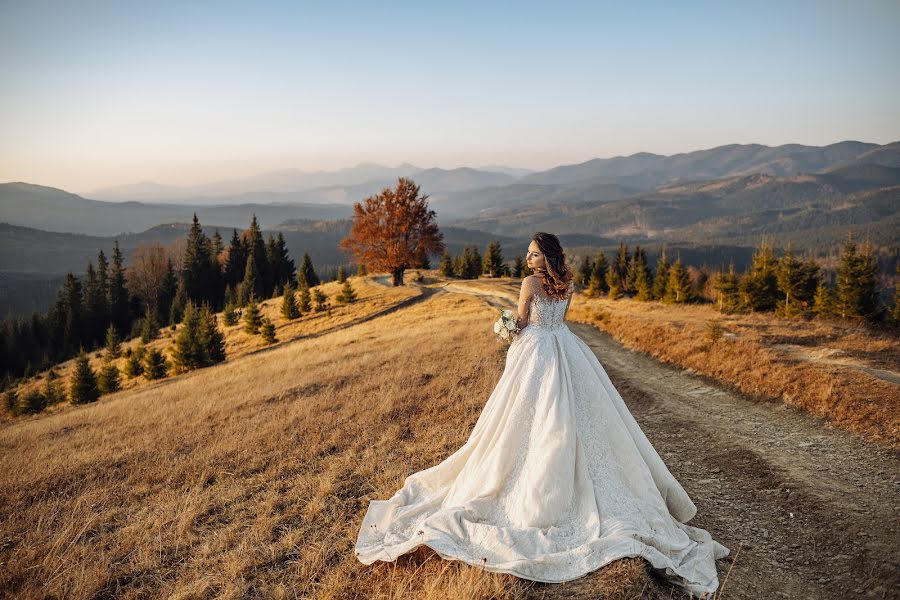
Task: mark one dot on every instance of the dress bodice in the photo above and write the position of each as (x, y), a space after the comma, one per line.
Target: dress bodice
(546, 312)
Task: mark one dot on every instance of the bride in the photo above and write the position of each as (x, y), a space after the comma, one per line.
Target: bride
(556, 479)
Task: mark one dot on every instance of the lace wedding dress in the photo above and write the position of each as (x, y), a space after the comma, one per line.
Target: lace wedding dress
(555, 481)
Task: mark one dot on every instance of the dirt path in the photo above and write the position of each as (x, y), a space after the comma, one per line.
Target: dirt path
(814, 512)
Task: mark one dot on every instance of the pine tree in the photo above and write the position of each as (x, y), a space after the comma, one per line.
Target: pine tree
(83, 382)
(347, 294)
(33, 402)
(113, 344)
(229, 316)
(72, 306)
(597, 282)
(727, 286)
(252, 319)
(267, 330)
(167, 292)
(613, 285)
(155, 364)
(321, 300)
(94, 306)
(361, 269)
(639, 275)
(211, 338)
(857, 294)
(134, 364)
(493, 259)
(475, 263)
(119, 296)
(759, 286)
(216, 243)
(289, 308)
(790, 278)
(103, 285)
(188, 352)
(341, 274)
(252, 284)
(235, 261)
(176, 310)
(306, 276)
(895, 310)
(661, 280)
(620, 268)
(584, 271)
(197, 264)
(150, 326)
(108, 378)
(305, 301)
(446, 266)
(679, 288)
(518, 264)
(53, 390)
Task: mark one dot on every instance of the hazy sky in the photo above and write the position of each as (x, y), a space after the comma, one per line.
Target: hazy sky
(94, 94)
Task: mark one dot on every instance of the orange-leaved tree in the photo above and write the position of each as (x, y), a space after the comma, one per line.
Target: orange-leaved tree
(393, 230)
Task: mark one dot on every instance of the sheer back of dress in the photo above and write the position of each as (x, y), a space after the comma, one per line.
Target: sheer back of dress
(547, 312)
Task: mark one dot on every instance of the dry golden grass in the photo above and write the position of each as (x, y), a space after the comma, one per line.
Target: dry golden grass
(834, 370)
(372, 299)
(250, 478)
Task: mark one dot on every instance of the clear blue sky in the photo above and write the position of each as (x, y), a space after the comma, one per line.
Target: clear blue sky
(104, 93)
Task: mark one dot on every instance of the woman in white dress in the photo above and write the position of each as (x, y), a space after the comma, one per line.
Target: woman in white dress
(556, 479)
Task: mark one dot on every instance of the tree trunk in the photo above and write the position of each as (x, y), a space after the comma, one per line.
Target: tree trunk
(397, 276)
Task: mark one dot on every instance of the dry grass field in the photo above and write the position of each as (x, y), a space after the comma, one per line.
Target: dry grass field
(844, 373)
(249, 479)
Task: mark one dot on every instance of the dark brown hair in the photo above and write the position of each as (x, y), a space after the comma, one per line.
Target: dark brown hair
(556, 276)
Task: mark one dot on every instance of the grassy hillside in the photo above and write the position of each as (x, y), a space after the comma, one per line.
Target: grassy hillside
(250, 479)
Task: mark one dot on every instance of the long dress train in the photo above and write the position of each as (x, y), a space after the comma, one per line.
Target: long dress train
(555, 480)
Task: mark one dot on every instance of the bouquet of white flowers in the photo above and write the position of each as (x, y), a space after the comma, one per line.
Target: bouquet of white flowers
(505, 326)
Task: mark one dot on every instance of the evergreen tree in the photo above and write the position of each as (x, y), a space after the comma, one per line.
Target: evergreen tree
(341, 274)
(252, 285)
(155, 364)
(321, 300)
(287, 270)
(347, 294)
(306, 276)
(149, 326)
(583, 275)
(361, 269)
(517, 267)
(235, 261)
(895, 310)
(108, 379)
(759, 286)
(216, 243)
(212, 340)
(94, 306)
(119, 296)
(258, 254)
(252, 318)
(267, 330)
(289, 308)
(305, 301)
(790, 278)
(134, 364)
(83, 383)
(620, 268)
(198, 272)
(661, 280)
(446, 266)
(113, 344)
(103, 285)
(639, 275)
(493, 260)
(168, 292)
(229, 316)
(475, 263)
(727, 287)
(11, 401)
(597, 282)
(857, 294)
(679, 289)
(188, 352)
(33, 402)
(73, 301)
(53, 390)
(613, 285)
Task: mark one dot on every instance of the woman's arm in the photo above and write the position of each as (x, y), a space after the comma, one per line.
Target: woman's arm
(569, 301)
(524, 306)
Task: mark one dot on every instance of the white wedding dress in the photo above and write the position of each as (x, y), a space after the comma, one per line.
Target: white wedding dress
(555, 481)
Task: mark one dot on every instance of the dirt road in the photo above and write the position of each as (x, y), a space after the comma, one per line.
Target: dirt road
(809, 512)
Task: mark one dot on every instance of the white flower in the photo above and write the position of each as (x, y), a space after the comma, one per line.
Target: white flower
(504, 333)
(497, 326)
(510, 325)
(507, 313)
